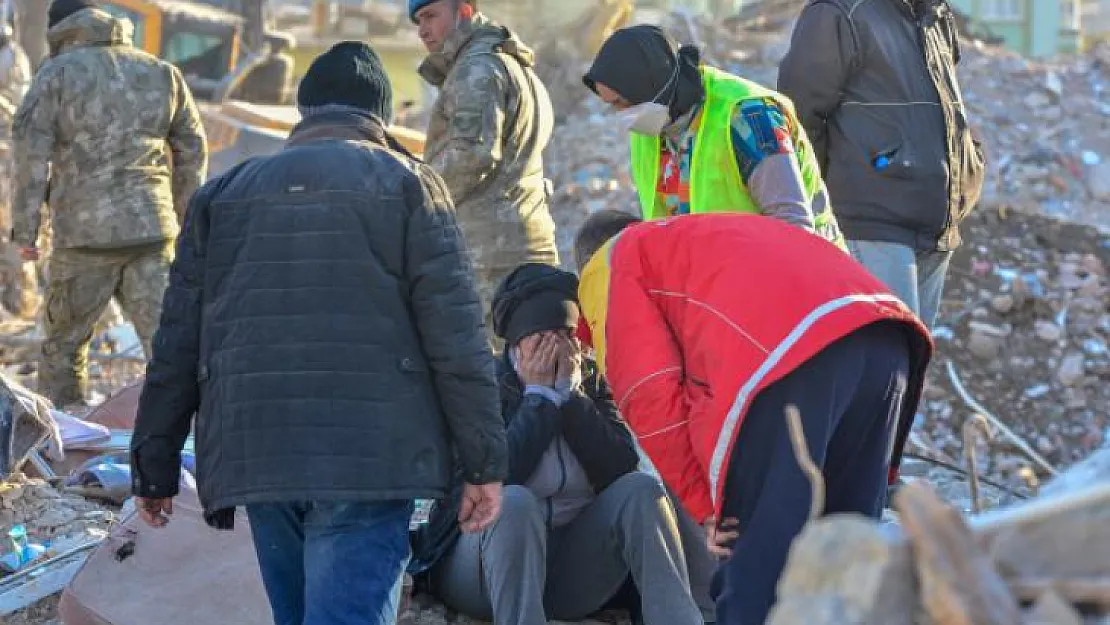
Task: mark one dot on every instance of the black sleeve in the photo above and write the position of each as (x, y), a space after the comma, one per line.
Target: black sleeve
(598, 436)
(531, 430)
(171, 393)
(448, 316)
(823, 52)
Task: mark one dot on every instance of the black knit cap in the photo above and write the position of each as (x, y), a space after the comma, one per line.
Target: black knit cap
(349, 74)
(535, 298)
(61, 9)
(638, 62)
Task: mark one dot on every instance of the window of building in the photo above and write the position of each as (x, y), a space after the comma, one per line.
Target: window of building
(1070, 16)
(1003, 10)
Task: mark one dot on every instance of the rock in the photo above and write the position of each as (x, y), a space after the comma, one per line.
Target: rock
(959, 584)
(1099, 181)
(1048, 331)
(1002, 304)
(1051, 609)
(56, 517)
(1093, 470)
(1093, 265)
(846, 569)
(1072, 369)
(1062, 535)
(984, 346)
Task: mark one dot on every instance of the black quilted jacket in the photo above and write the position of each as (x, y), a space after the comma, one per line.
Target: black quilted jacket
(323, 325)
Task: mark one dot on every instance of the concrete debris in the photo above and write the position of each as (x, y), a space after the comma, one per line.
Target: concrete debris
(49, 515)
(958, 584)
(1051, 609)
(1025, 320)
(935, 568)
(872, 583)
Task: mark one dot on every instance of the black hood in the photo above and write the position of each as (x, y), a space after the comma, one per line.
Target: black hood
(639, 62)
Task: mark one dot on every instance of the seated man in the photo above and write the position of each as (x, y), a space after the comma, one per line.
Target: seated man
(577, 516)
(709, 327)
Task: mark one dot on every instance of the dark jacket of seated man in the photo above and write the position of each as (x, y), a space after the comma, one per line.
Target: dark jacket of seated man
(578, 517)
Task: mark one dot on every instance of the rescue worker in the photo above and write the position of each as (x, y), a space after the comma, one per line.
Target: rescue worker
(486, 136)
(98, 129)
(20, 283)
(705, 141)
(708, 327)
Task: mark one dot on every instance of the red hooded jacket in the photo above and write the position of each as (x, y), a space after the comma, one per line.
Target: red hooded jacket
(691, 317)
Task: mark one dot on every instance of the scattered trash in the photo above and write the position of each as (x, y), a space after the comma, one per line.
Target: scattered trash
(1038, 391)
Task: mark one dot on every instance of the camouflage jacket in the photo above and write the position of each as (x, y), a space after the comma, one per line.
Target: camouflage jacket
(109, 136)
(486, 137)
(15, 78)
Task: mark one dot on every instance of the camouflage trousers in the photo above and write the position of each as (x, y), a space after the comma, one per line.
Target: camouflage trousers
(80, 287)
(19, 285)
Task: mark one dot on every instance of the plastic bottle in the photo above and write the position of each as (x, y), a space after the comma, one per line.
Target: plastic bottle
(20, 546)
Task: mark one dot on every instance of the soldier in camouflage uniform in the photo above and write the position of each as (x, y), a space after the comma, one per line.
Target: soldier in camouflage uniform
(486, 137)
(111, 138)
(18, 283)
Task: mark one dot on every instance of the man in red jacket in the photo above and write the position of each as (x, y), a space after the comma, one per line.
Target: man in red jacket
(708, 327)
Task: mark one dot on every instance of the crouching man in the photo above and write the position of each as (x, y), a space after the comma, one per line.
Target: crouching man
(578, 517)
(323, 324)
(708, 327)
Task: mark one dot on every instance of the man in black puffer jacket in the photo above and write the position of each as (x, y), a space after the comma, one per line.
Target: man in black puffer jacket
(876, 87)
(579, 517)
(323, 324)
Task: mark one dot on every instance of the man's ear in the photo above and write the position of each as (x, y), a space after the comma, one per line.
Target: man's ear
(466, 11)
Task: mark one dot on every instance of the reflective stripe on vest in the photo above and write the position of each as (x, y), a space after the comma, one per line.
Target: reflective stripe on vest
(725, 437)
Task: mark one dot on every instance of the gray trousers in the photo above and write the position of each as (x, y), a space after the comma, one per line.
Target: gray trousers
(917, 278)
(519, 573)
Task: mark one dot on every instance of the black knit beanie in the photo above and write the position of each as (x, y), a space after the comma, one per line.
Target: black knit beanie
(61, 9)
(638, 62)
(349, 74)
(535, 298)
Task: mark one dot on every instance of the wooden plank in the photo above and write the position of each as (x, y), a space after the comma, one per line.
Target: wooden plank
(47, 583)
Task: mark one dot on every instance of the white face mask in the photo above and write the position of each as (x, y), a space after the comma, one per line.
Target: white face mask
(649, 118)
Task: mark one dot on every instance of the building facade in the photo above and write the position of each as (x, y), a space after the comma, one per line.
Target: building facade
(1034, 28)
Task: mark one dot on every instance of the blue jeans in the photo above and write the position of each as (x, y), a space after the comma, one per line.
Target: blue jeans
(332, 563)
(917, 278)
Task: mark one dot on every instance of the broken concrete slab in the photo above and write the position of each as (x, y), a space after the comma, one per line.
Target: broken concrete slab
(846, 569)
(1094, 469)
(957, 583)
(25, 425)
(1051, 609)
(1064, 536)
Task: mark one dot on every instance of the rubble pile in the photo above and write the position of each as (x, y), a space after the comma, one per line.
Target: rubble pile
(1045, 128)
(56, 520)
(49, 515)
(1039, 563)
(1023, 332)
